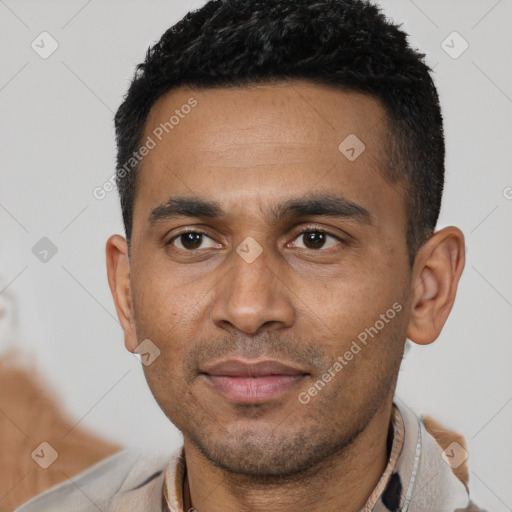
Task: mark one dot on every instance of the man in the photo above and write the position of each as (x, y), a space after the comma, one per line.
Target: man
(280, 167)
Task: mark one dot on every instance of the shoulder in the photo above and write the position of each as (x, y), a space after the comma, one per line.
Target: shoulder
(431, 465)
(96, 487)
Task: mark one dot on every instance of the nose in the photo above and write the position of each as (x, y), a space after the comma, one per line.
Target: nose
(252, 296)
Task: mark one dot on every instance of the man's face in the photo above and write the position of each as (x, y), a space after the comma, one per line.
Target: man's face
(249, 287)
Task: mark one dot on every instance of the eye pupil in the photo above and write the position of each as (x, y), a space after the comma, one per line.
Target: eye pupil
(191, 239)
(315, 238)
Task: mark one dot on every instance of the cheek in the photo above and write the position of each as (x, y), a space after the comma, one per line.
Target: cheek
(349, 305)
(362, 324)
(158, 298)
(157, 318)
(163, 315)
(171, 313)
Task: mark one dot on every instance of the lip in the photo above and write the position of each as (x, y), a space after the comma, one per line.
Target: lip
(239, 368)
(252, 382)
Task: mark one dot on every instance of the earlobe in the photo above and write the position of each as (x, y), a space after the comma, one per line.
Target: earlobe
(118, 272)
(437, 270)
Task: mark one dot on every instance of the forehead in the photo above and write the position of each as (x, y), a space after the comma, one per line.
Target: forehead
(244, 146)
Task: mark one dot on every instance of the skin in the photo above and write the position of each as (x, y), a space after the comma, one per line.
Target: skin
(250, 149)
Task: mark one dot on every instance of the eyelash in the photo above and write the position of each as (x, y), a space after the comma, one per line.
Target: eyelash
(308, 229)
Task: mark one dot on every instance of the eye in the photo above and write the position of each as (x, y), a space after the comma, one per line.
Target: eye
(312, 239)
(191, 240)
(315, 239)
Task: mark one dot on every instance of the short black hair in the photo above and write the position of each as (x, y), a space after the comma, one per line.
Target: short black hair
(348, 44)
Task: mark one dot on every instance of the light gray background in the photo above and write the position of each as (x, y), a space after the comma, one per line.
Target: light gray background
(58, 145)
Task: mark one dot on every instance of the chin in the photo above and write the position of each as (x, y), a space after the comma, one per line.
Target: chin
(265, 455)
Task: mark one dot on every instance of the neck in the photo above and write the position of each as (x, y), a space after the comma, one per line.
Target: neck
(344, 482)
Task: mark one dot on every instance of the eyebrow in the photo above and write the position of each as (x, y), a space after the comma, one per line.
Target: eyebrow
(325, 205)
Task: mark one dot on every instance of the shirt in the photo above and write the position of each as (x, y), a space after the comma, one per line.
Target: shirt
(417, 478)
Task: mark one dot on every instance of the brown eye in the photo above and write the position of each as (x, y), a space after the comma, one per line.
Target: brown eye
(317, 239)
(191, 241)
(314, 240)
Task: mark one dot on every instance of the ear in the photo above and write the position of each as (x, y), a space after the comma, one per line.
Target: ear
(118, 272)
(437, 269)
